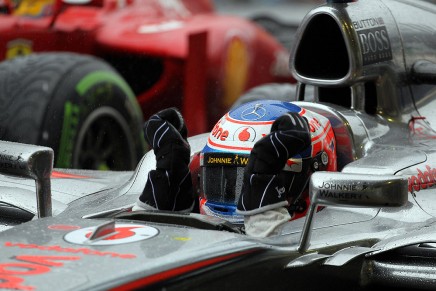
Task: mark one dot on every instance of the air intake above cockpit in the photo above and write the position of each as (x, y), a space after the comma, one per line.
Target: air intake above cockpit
(322, 52)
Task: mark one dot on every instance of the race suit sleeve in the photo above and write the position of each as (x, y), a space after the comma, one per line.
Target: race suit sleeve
(263, 199)
(169, 186)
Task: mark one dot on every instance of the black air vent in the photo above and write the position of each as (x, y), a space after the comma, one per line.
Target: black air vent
(322, 53)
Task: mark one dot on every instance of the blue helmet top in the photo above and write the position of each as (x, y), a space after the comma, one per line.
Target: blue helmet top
(238, 130)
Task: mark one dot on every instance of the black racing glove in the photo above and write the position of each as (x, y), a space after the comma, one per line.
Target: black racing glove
(169, 187)
(264, 187)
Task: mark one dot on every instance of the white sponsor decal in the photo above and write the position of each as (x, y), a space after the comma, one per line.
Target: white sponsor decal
(160, 27)
(124, 233)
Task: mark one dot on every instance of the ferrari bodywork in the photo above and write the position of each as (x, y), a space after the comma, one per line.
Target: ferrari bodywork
(378, 227)
(171, 52)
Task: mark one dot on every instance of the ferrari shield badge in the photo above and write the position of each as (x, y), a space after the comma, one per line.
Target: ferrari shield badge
(111, 234)
(18, 47)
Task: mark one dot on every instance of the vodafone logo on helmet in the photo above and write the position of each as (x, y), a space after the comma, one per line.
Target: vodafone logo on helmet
(245, 133)
(124, 233)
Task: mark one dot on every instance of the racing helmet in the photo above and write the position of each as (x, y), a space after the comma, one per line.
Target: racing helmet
(226, 153)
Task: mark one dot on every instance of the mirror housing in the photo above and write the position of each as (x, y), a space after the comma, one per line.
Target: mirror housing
(30, 161)
(351, 190)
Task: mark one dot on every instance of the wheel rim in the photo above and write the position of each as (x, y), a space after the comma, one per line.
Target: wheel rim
(104, 142)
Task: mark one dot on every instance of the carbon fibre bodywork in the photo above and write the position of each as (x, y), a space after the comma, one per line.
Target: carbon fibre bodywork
(378, 229)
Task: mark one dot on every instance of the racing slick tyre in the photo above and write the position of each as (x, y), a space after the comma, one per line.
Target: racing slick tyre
(77, 105)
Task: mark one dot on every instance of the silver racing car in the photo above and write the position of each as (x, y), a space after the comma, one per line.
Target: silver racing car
(369, 66)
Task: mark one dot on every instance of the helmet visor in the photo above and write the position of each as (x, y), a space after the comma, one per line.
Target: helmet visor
(222, 176)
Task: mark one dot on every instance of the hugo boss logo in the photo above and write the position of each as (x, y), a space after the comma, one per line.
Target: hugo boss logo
(374, 40)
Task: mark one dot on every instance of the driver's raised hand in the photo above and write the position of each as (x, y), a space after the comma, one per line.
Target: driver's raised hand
(169, 186)
(264, 187)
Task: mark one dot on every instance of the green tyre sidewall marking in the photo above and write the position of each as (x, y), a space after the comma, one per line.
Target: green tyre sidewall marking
(100, 76)
(76, 109)
(69, 131)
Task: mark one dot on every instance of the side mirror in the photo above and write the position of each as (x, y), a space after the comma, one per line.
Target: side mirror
(351, 190)
(30, 161)
(76, 2)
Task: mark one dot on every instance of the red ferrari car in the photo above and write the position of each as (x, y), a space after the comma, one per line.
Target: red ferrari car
(163, 52)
